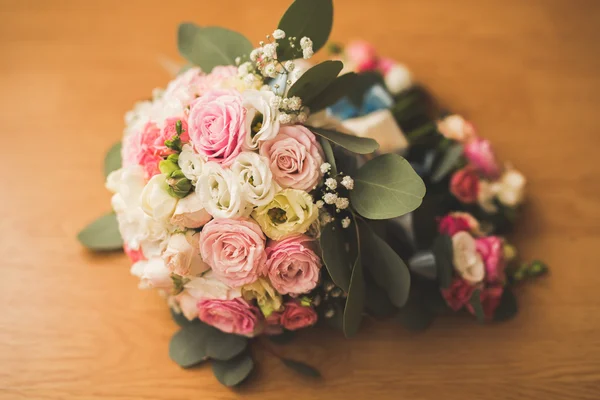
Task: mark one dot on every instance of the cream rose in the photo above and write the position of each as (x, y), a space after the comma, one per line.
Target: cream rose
(157, 203)
(190, 163)
(255, 177)
(208, 286)
(182, 255)
(291, 211)
(220, 192)
(467, 261)
(261, 117)
(190, 212)
(153, 273)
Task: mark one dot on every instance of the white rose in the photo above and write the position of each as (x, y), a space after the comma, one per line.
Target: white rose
(190, 163)
(262, 121)
(190, 212)
(255, 177)
(220, 192)
(511, 188)
(398, 78)
(182, 255)
(157, 203)
(486, 196)
(380, 126)
(127, 185)
(209, 287)
(153, 273)
(467, 261)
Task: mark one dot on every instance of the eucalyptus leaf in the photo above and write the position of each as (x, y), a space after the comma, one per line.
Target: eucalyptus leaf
(329, 154)
(181, 320)
(415, 315)
(301, 368)
(314, 81)
(224, 346)
(355, 303)
(377, 302)
(350, 142)
(386, 267)
(507, 308)
(475, 302)
(310, 18)
(112, 160)
(335, 256)
(341, 87)
(450, 160)
(386, 187)
(211, 46)
(102, 234)
(188, 346)
(233, 372)
(442, 250)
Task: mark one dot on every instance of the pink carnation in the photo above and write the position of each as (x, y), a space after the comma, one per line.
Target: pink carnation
(458, 294)
(296, 316)
(464, 185)
(217, 125)
(134, 255)
(480, 154)
(490, 300)
(234, 248)
(231, 316)
(139, 148)
(362, 54)
(292, 265)
(491, 250)
(457, 222)
(295, 157)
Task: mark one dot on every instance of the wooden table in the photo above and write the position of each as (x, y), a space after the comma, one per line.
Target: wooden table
(74, 326)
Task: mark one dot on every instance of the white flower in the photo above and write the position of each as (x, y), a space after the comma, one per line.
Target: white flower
(467, 262)
(330, 198)
(294, 103)
(486, 195)
(190, 163)
(345, 222)
(254, 54)
(302, 117)
(127, 185)
(209, 287)
(380, 126)
(325, 218)
(398, 79)
(307, 53)
(276, 102)
(289, 65)
(157, 203)
(220, 192)
(342, 203)
(348, 182)
(319, 203)
(325, 167)
(278, 34)
(306, 43)
(255, 178)
(511, 188)
(270, 70)
(245, 68)
(331, 183)
(182, 255)
(153, 273)
(285, 118)
(190, 212)
(261, 117)
(270, 50)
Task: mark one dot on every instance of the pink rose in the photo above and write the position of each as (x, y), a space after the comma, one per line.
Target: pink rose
(362, 54)
(457, 222)
(292, 265)
(216, 78)
(296, 316)
(273, 324)
(234, 248)
(139, 149)
(385, 65)
(185, 87)
(231, 316)
(490, 300)
(295, 157)
(458, 294)
(134, 255)
(217, 125)
(464, 185)
(491, 250)
(480, 154)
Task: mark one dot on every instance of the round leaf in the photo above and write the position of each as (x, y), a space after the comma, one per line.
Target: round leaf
(301, 368)
(337, 260)
(449, 161)
(112, 160)
(233, 372)
(386, 187)
(102, 234)
(341, 87)
(188, 346)
(314, 81)
(353, 143)
(224, 346)
(355, 303)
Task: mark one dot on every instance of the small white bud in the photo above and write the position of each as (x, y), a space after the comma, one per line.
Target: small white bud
(302, 117)
(345, 222)
(276, 101)
(238, 60)
(348, 182)
(294, 103)
(331, 183)
(325, 167)
(330, 198)
(320, 203)
(289, 65)
(342, 203)
(285, 118)
(307, 53)
(278, 34)
(305, 43)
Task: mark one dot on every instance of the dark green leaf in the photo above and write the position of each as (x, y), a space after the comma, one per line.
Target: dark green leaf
(353, 143)
(301, 368)
(475, 301)
(211, 46)
(329, 154)
(112, 160)
(415, 316)
(102, 234)
(181, 320)
(335, 256)
(448, 163)
(442, 250)
(341, 87)
(233, 372)
(224, 346)
(314, 81)
(507, 308)
(283, 338)
(355, 303)
(310, 18)
(386, 187)
(377, 302)
(188, 346)
(386, 267)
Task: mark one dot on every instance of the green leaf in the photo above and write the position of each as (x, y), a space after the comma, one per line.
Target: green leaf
(188, 346)
(102, 234)
(415, 315)
(386, 187)
(301, 368)
(377, 302)
(211, 46)
(329, 154)
(475, 301)
(233, 372)
(341, 87)
(355, 303)
(310, 18)
(283, 338)
(507, 308)
(449, 161)
(442, 250)
(386, 267)
(224, 346)
(181, 320)
(335, 256)
(112, 160)
(353, 143)
(314, 81)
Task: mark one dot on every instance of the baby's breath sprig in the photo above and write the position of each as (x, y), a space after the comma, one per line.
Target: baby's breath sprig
(334, 199)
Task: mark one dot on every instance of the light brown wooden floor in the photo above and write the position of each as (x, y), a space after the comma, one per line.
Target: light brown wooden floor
(74, 326)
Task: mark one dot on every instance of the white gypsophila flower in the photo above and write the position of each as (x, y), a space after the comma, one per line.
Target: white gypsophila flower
(220, 192)
(190, 212)
(325, 218)
(330, 198)
(289, 65)
(278, 34)
(325, 168)
(398, 79)
(347, 182)
(285, 118)
(245, 68)
(345, 222)
(302, 117)
(307, 53)
(270, 70)
(270, 50)
(319, 203)
(467, 261)
(254, 54)
(342, 203)
(262, 122)
(255, 178)
(190, 163)
(305, 43)
(294, 103)
(157, 203)
(331, 183)
(276, 102)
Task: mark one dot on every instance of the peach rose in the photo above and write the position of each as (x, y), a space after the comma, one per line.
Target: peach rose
(231, 316)
(296, 316)
(464, 185)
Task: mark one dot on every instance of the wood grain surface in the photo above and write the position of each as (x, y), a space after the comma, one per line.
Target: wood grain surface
(73, 325)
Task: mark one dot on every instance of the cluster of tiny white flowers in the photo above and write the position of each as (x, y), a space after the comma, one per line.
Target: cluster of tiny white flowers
(325, 168)
(347, 182)
(331, 183)
(307, 48)
(331, 196)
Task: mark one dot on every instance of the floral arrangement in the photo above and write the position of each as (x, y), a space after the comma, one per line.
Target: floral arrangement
(261, 195)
